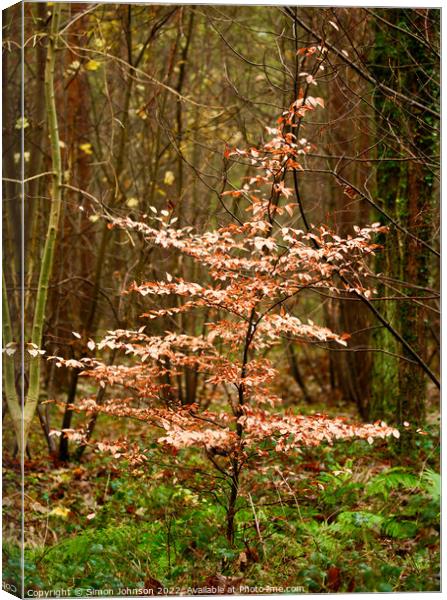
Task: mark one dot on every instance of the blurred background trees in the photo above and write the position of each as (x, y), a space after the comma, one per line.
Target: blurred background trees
(148, 98)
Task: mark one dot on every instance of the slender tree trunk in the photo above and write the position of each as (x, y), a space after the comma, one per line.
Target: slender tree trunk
(12, 207)
(231, 508)
(12, 400)
(293, 362)
(53, 226)
(235, 462)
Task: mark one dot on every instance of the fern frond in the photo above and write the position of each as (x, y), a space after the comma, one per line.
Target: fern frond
(432, 484)
(394, 528)
(392, 479)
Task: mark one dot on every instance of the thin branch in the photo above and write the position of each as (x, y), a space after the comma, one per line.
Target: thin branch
(364, 74)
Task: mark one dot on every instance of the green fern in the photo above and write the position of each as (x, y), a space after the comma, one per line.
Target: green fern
(429, 483)
(323, 537)
(432, 484)
(394, 528)
(351, 523)
(92, 558)
(392, 479)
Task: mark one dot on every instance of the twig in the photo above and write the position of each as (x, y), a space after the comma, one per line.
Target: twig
(257, 524)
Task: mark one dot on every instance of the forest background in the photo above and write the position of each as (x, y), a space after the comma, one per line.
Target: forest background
(136, 110)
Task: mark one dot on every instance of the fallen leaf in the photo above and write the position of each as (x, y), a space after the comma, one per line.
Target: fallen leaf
(60, 511)
(333, 581)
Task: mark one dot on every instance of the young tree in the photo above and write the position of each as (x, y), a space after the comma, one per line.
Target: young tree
(11, 332)
(256, 272)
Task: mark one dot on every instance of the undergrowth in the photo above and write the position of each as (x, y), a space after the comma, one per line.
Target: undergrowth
(326, 522)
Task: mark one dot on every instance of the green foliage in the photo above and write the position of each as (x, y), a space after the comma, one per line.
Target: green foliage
(339, 487)
(390, 480)
(12, 567)
(90, 559)
(432, 481)
(376, 526)
(394, 528)
(353, 524)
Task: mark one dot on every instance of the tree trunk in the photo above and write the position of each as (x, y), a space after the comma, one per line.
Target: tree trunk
(231, 508)
(53, 226)
(400, 385)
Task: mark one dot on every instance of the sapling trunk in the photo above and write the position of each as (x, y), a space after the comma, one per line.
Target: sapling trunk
(8, 366)
(231, 509)
(235, 463)
(53, 225)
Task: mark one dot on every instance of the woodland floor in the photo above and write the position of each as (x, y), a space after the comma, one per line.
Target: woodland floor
(347, 518)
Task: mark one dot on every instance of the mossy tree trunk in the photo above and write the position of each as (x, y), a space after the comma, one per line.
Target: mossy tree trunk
(405, 190)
